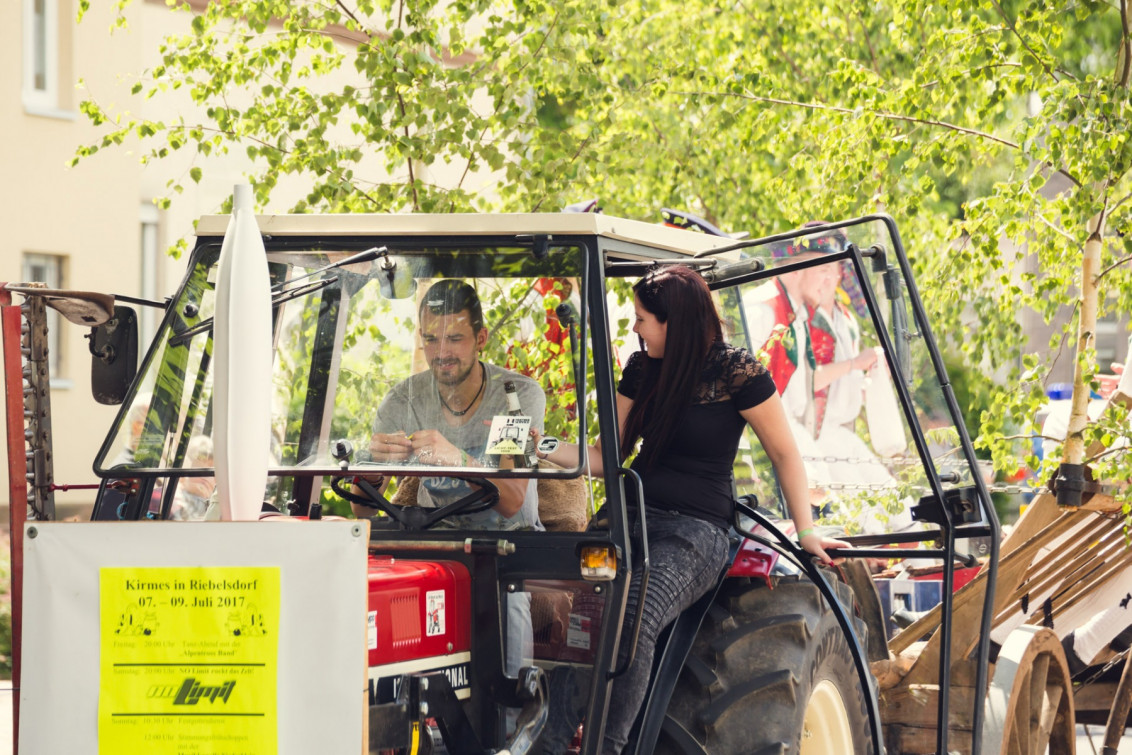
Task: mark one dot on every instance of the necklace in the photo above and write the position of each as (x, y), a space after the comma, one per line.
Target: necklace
(475, 398)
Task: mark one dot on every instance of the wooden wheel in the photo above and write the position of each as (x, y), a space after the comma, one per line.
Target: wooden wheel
(1029, 706)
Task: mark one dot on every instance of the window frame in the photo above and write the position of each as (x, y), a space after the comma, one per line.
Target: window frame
(56, 352)
(37, 99)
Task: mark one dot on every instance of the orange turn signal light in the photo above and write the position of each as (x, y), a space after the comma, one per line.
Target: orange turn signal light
(599, 562)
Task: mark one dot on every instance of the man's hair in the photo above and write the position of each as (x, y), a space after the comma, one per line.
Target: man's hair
(450, 297)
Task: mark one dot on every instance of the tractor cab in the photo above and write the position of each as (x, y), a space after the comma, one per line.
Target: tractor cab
(832, 311)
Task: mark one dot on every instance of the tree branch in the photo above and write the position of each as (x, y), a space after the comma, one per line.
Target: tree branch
(1125, 52)
(1118, 263)
(875, 113)
(350, 13)
(1014, 30)
(409, 158)
(968, 72)
(884, 116)
(573, 158)
(781, 51)
(869, 44)
(1057, 229)
(267, 145)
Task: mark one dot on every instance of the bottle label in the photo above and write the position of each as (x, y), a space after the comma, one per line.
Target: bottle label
(508, 434)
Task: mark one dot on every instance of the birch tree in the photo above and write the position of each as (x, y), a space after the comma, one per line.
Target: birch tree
(984, 127)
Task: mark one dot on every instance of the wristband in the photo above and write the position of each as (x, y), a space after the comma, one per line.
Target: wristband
(546, 447)
(803, 533)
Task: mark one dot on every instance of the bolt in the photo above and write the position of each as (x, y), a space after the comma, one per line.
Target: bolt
(597, 589)
(356, 530)
(32, 533)
(511, 588)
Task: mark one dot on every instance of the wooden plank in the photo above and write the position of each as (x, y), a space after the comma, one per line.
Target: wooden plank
(968, 612)
(1095, 697)
(967, 603)
(1070, 564)
(918, 740)
(1041, 513)
(1085, 599)
(1103, 503)
(918, 705)
(1045, 575)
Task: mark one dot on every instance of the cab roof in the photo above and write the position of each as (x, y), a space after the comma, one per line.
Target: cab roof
(655, 235)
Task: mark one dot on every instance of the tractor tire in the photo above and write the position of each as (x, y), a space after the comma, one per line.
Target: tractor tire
(770, 672)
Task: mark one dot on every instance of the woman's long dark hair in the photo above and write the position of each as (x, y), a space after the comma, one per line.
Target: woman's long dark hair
(676, 295)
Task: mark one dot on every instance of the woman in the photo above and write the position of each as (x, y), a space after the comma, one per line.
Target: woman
(841, 374)
(688, 396)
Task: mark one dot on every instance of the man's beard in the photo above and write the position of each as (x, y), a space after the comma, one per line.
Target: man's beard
(455, 380)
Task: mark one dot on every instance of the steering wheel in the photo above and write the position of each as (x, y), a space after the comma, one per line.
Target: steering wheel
(420, 517)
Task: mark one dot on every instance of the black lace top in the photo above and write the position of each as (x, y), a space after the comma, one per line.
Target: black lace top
(693, 475)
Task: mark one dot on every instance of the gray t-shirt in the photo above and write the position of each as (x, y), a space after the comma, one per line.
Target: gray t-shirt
(414, 404)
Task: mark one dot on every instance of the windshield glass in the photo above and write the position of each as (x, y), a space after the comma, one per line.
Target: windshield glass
(354, 345)
(812, 326)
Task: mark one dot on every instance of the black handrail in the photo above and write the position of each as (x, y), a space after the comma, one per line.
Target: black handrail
(624, 471)
(805, 562)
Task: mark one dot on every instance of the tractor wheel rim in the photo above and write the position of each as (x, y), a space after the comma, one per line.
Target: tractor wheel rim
(825, 727)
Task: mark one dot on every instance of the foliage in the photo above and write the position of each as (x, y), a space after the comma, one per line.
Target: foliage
(983, 127)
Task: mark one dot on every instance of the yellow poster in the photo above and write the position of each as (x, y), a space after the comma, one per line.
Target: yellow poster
(188, 660)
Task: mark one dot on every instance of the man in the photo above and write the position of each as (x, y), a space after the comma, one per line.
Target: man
(442, 417)
(777, 318)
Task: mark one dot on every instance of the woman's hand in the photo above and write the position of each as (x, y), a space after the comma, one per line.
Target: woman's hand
(816, 545)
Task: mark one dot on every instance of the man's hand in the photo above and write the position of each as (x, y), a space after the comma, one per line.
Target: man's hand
(390, 447)
(1110, 382)
(430, 447)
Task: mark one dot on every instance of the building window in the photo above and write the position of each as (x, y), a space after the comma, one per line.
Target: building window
(41, 54)
(48, 269)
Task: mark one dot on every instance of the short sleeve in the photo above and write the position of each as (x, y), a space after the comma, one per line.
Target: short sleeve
(533, 401)
(392, 416)
(632, 375)
(749, 382)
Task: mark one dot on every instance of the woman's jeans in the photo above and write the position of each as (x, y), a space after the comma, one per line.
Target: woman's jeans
(686, 555)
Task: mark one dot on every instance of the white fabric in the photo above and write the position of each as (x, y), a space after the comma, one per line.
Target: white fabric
(1089, 640)
(1056, 424)
(882, 411)
(761, 323)
(855, 464)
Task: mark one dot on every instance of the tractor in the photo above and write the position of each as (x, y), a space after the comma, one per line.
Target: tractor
(780, 656)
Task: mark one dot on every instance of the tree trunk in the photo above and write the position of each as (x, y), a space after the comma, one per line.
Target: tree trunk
(1074, 452)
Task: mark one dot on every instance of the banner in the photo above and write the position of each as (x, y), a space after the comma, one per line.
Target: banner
(189, 658)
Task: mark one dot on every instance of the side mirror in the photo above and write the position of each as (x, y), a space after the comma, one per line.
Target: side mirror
(114, 348)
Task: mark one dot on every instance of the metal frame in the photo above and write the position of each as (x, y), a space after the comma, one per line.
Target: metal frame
(556, 555)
